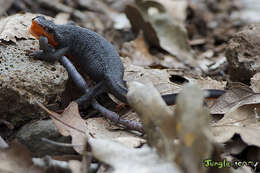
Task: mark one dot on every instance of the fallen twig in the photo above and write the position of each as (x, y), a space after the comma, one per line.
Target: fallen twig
(58, 143)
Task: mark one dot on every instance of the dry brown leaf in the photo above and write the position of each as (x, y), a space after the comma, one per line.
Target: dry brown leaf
(162, 81)
(138, 51)
(161, 29)
(235, 97)
(207, 83)
(17, 159)
(70, 123)
(16, 27)
(99, 128)
(173, 37)
(159, 78)
(243, 120)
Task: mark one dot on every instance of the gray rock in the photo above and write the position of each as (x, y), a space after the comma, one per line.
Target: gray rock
(31, 135)
(243, 54)
(23, 80)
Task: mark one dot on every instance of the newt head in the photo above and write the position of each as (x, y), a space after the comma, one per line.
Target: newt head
(43, 27)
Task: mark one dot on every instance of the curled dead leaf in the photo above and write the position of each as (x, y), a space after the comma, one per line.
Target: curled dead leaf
(70, 123)
(235, 97)
(161, 29)
(243, 121)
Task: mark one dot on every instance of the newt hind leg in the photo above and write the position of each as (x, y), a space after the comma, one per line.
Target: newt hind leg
(91, 93)
(79, 81)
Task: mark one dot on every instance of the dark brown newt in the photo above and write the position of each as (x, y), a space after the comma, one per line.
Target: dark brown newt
(98, 58)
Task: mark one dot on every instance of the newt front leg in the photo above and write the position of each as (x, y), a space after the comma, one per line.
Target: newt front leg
(47, 52)
(50, 54)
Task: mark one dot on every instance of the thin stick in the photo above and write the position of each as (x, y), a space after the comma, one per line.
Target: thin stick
(59, 143)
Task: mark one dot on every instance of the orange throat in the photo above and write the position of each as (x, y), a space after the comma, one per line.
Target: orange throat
(37, 30)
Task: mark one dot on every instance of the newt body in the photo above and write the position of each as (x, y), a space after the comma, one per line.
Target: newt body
(98, 58)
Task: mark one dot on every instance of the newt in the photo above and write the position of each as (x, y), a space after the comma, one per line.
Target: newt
(98, 58)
